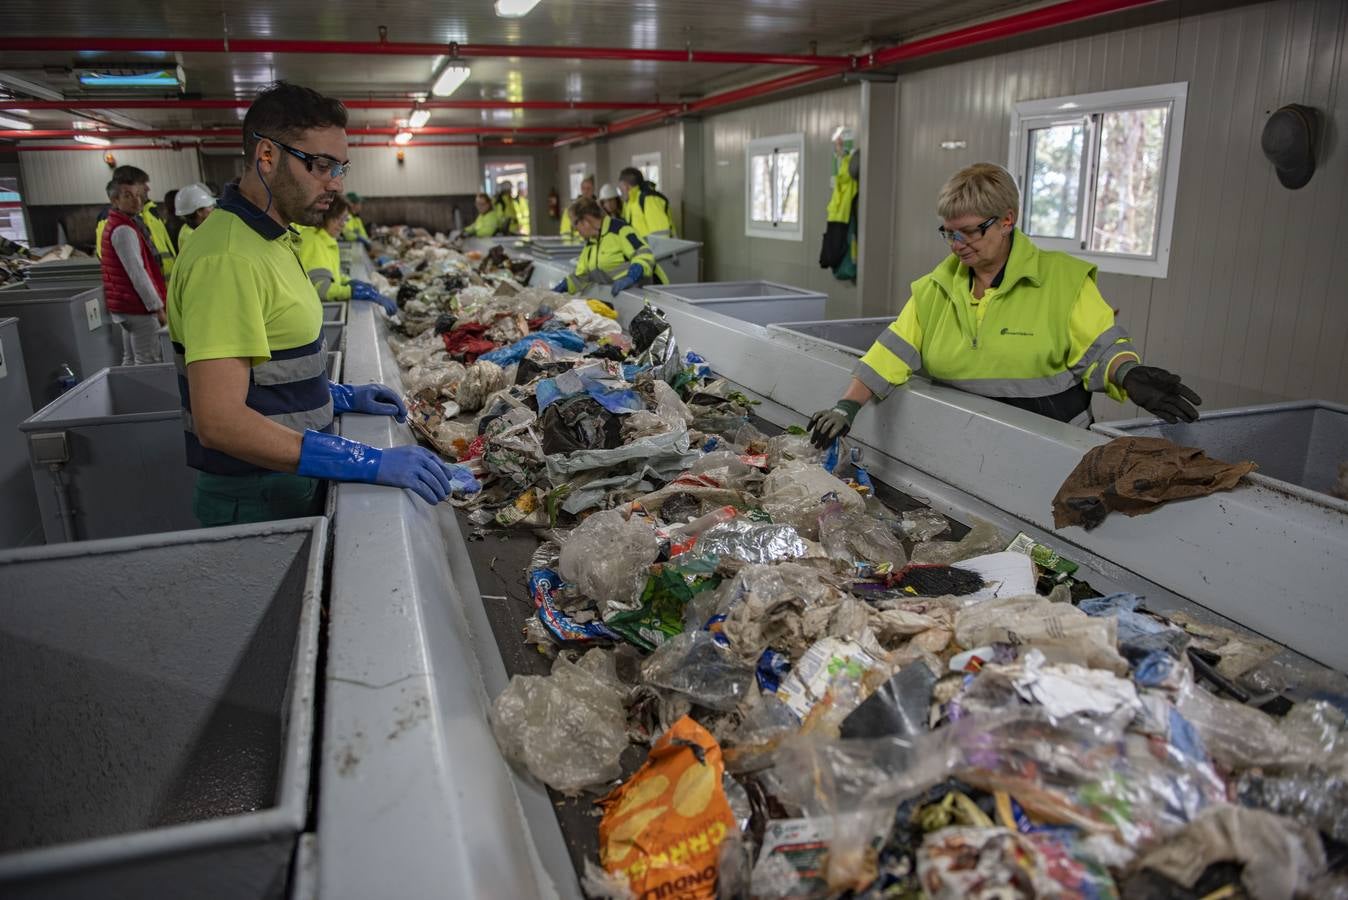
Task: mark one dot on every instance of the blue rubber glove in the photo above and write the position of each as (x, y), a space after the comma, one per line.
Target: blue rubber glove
(415, 468)
(633, 277)
(363, 241)
(370, 399)
(363, 290)
(560, 287)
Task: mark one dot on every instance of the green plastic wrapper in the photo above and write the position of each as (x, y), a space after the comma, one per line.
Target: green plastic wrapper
(660, 614)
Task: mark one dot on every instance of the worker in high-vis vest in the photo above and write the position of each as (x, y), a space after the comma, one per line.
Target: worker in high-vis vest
(504, 203)
(838, 251)
(1003, 319)
(610, 201)
(322, 261)
(488, 221)
(354, 229)
(644, 208)
(568, 228)
(159, 235)
(613, 253)
(246, 327)
(192, 204)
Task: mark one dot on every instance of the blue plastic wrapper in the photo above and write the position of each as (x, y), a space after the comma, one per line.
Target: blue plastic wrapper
(1137, 632)
(543, 585)
(613, 395)
(513, 353)
(771, 669)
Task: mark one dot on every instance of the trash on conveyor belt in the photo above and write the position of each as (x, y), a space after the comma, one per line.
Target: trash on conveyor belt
(833, 698)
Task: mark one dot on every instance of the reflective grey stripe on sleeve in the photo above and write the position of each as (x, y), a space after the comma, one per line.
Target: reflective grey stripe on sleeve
(1015, 387)
(284, 371)
(873, 380)
(1098, 350)
(900, 348)
(322, 279)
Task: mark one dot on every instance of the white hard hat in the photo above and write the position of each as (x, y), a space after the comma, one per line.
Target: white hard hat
(608, 192)
(192, 198)
(842, 132)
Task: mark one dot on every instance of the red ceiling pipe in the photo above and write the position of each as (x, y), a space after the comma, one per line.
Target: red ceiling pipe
(220, 145)
(234, 132)
(465, 51)
(404, 103)
(1008, 26)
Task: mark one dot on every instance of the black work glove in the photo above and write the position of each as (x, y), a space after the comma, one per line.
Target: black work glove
(1160, 393)
(828, 425)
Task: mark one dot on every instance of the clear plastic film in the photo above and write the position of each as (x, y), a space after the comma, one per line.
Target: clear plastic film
(606, 559)
(796, 494)
(850, 536)
(694, 665)
(982, 538)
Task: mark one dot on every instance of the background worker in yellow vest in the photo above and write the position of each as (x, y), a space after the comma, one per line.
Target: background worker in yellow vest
(322, 260)
(192, 205)
(610, 202)
(505, 209)
(644, 208)
(613, 253)
(354, 229)
(1003, 319)
(159, 236)
(568, 229)
(488, 221)
(839, 249)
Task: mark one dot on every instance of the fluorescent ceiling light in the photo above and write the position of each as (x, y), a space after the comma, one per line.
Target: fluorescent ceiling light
(90, 139)
(20, 124)
(419, 118)
(513, 9)
(450, 80)
(157, 79)
(435, 64)
(402, 137)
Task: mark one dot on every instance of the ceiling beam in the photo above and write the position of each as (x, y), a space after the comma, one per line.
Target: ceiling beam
(395, 48)
(403, 103)
(44, 134)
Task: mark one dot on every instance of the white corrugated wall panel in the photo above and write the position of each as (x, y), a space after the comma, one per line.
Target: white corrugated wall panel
(424, 172)
(64, 177)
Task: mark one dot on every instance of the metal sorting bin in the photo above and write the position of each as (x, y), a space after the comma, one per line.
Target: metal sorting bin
(680, 259)
(78, 270)
(19, 522)
(548, 247)
(852, 336)
(158, 701)
(61, 325)
(1299, 445)
(759, 302)
(334, 365)
(333, 333)
(116, 442)
(334, 312)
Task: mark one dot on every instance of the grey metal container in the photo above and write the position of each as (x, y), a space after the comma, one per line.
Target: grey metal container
(158, 710)
(759, 302)
(61, 325)
(126, 472)
(333, 332)
(1299, 445)
(20, 523)
(681, 260)
(549, 246)
(334, 312)
(334, 365)
(852, 336)
(65, 272)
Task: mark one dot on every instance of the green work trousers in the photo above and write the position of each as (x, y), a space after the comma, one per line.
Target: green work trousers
(238, 499)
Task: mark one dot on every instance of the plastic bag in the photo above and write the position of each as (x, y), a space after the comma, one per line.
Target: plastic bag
(786, 606)
(695, 665)
(796, 494)
(568, 728)
(851, 536)
(956, 863)
(578, 314)
(752, 542)
(579, 423)
(664, 826)
(923, 524)
(1311, 796)
(606, 558)
(982, 539)
(480, 381)
(659, 615)
(788, 448)
(646, 325)
(1064, 633)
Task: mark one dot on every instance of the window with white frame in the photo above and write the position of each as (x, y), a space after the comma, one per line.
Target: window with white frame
(1098, 174)
(649, 164)
(575, 174)
(773, 171)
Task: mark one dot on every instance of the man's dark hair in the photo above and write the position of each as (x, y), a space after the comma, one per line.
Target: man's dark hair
(129, 175)
(284, 111)
(632, 174)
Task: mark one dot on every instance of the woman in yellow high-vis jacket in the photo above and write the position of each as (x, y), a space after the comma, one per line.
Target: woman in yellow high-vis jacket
(322, 260)
(613, 253)
(1003, 319)
(488, 221)
(568, 228)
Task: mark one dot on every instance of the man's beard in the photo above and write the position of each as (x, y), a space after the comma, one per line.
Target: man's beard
(290, 196)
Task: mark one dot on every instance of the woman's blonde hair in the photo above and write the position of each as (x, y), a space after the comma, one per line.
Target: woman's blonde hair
(983, 190)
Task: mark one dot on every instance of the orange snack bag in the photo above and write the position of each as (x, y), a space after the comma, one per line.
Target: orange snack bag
(663, 828)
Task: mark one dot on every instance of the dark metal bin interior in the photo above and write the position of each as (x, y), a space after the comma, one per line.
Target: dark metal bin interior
(853, 336)
(158, 712)
(1300, 442)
